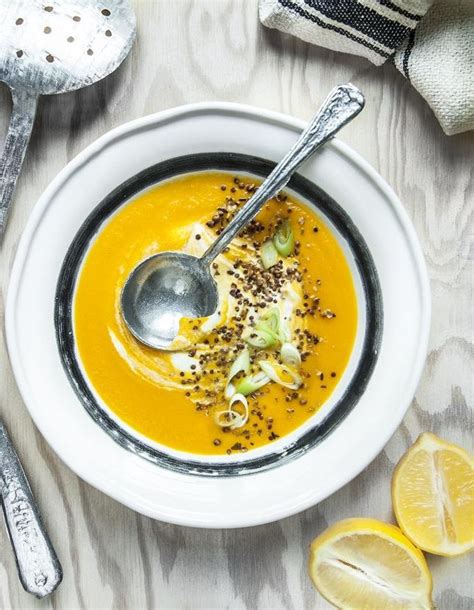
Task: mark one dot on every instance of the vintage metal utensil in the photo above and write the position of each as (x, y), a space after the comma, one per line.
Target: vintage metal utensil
(46, 47)
(38, 566)
(53, 46)
(171, 285)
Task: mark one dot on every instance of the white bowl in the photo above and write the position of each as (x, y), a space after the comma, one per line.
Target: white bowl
(295, 472)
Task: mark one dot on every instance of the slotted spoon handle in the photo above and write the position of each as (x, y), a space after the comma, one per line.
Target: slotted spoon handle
(16, 143)
(38, 566)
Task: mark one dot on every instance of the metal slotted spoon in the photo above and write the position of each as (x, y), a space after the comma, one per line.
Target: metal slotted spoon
(48, 47)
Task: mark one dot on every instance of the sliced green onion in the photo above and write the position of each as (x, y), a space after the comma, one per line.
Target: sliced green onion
(290, 355)
(284, 240)
(240, 365)
(261, 338)
(231, 418)
(269, 330)
(240, 398)
(252, 383)
(273, 324)
(229, 391)
(263, 325)
(271, 319)
(281, 374)
(269, 254)
(284, 333)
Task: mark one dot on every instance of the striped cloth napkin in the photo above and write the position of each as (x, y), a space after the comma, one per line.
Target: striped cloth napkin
(430, 42)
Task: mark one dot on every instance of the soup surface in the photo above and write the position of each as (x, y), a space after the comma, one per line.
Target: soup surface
(259, 367)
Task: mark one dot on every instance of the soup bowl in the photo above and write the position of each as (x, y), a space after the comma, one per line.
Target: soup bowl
(300, 468)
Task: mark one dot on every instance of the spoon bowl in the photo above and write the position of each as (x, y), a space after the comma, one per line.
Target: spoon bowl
(163, 289)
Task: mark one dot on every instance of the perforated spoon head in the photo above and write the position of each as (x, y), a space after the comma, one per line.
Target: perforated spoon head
(55, 46)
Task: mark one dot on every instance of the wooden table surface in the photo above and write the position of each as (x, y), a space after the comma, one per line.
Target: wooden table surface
(190, 51)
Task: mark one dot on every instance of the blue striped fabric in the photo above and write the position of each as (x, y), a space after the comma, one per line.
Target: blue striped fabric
(399, 9)
(372, 28)
(338, 29)
(364, 19)
(429, 41)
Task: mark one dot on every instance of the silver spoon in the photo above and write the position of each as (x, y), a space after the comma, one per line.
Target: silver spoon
(171, 285)
(53, 46)
(38, 565)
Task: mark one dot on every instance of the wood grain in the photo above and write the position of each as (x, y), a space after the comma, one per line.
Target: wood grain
(190, 51)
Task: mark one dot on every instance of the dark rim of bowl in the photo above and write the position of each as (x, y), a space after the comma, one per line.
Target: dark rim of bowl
(234, 163)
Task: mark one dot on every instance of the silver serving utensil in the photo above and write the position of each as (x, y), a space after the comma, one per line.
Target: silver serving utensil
(171, 285)
(46, 47)
(53, 46)
(38, 566)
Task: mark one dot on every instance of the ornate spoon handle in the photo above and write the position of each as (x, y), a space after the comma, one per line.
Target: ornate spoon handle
(38, 566)
(341, 106)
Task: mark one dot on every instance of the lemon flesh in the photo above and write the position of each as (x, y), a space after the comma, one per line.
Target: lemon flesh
(433, 496)
(366, 564)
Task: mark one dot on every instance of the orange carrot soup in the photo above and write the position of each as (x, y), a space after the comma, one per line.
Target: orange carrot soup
(259, 367)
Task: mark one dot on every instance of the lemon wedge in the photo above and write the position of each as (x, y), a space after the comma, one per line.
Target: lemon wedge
(433, 496)
(364, 563)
